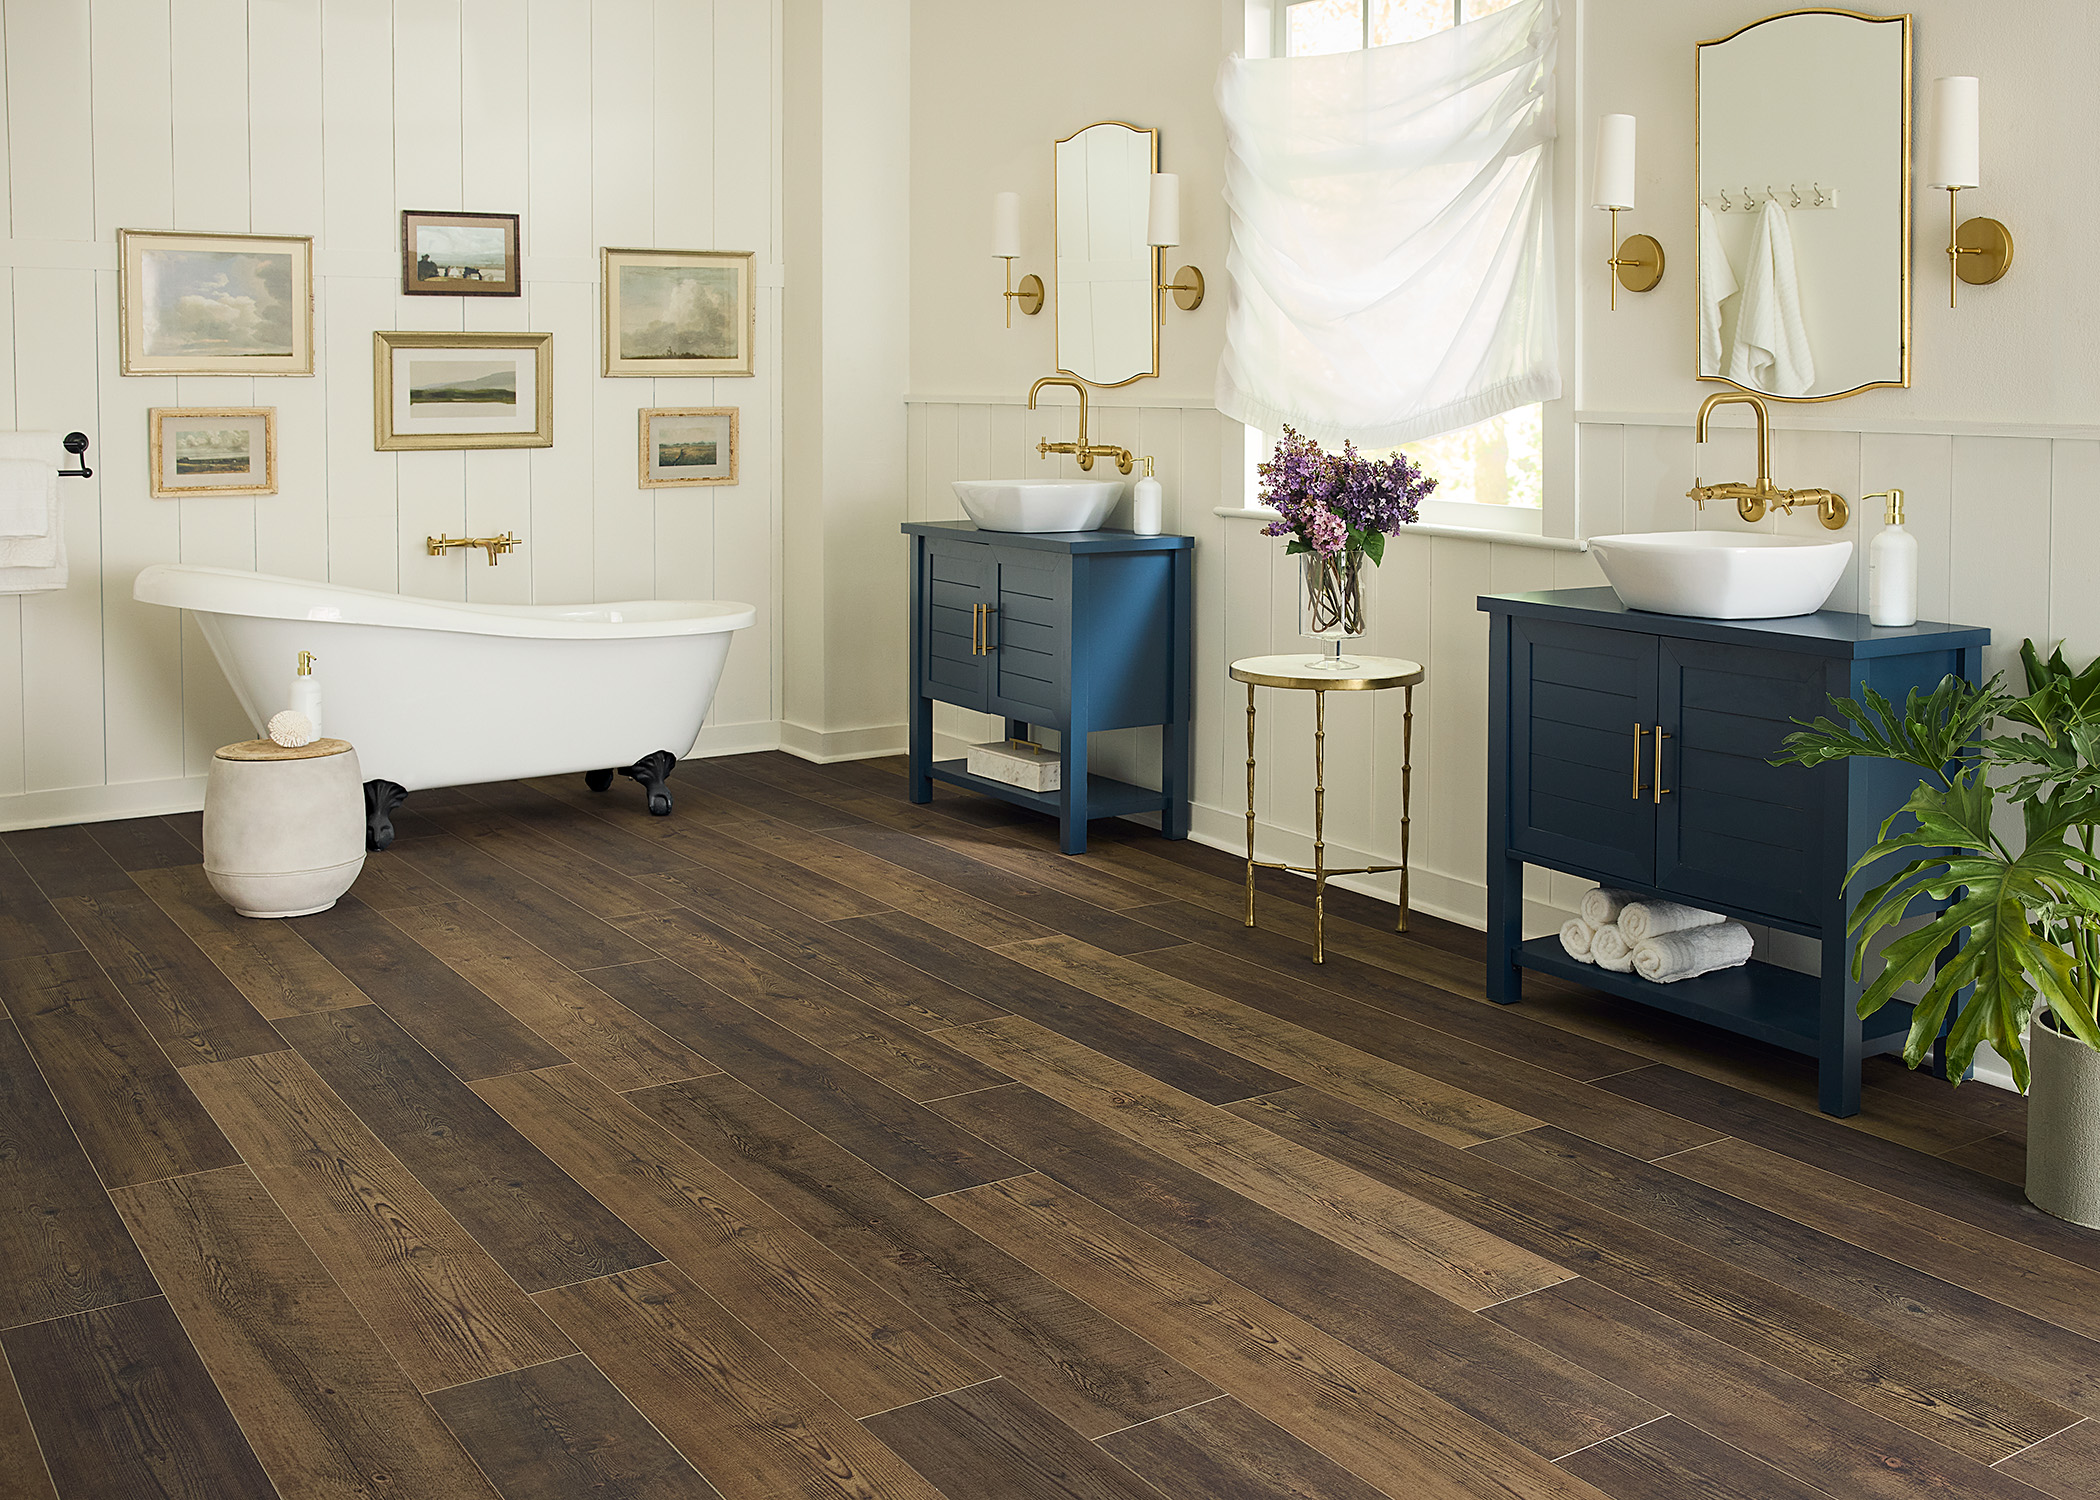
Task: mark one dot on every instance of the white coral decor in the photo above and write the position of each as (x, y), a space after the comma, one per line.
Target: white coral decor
(291, 729)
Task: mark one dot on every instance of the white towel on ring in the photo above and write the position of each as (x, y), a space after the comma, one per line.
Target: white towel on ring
(1686, 954)
(1575, 937)
(1601, 907)
(1609, 948)
(1642, 920)
(28, 498)
(1716, 285)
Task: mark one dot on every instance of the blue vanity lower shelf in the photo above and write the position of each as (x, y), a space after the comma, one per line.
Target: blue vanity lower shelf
(1757, 1000)
(1105, 796)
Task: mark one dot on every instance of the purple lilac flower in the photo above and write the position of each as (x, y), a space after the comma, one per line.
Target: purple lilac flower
(1327, 501)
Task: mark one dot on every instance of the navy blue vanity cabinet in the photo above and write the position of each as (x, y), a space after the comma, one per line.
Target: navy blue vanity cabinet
(1634, 750)
(1072, 631)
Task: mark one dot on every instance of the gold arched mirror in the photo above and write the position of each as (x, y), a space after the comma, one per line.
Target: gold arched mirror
(1804, 205)
(1107, 314)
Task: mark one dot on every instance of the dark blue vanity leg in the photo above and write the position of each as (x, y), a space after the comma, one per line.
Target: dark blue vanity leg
(1071, 797)
(918, 778)
(1175, 765)
(1838, 1046)
(1505, 875)
(1174, 779)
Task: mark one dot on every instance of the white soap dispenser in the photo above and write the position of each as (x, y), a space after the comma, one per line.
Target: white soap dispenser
(306, 690)
(1145, 503)
(1892, 568)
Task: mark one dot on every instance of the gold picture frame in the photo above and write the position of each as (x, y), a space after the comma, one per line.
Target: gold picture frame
(214, 304)
(203, 450)
(446, 254)
(479, 398)
(691, 439)
(663, 312)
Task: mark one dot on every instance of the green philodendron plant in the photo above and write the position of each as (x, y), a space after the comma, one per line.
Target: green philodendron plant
(2018, 924)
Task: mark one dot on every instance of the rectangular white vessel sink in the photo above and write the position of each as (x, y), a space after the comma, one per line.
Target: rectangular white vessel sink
(1038, 504)
(1721, 575)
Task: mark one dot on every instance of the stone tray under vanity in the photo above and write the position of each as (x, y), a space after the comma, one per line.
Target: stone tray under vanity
(1071, 630)
(1592, 706)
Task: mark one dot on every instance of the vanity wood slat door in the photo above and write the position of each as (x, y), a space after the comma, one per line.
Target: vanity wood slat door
(1031, 636)
(1576, 696)
(1734, 828)
(958, 582)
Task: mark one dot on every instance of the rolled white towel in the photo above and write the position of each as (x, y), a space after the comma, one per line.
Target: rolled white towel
(1642, 920)
(1575, 935)
(1610, 950)
(1686, 954)
(1601, 907)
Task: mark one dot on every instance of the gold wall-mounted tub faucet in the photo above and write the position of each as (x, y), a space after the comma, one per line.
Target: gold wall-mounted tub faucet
(496, 546)
(1752, 501)
(1082, 450)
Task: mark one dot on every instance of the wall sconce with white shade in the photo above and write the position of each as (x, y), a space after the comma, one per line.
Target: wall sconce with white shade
(1162, 233)
(1980, 251)
(1636, 262)
(1006, 244)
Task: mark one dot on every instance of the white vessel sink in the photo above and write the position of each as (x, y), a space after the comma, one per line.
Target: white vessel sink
(1721, 575)
(1038, 504)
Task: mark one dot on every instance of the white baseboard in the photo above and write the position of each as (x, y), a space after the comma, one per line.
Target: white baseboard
(101, 804)
(825, 746)
(736, 739)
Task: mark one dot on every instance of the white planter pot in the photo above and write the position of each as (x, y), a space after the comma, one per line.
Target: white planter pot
(284, 830)
(2063, 1125)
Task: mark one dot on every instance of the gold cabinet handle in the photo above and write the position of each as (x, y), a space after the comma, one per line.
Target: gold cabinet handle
(1638, 731)
(977, 630)
(1661, 791)
(989, 611)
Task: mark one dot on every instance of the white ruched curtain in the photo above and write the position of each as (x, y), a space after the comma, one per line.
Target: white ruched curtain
(1391, 266)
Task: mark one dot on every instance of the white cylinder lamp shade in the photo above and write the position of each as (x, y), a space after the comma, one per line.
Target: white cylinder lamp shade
(1612, 187)
(1952, 151)
(1163, 223)
(1006, 224)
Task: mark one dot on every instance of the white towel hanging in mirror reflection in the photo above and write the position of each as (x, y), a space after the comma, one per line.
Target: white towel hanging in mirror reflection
(1717, 284)
(1771, 351)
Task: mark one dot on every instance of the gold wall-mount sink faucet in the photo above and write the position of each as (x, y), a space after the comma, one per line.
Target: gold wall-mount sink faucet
(1082, 450)
(1752, 501)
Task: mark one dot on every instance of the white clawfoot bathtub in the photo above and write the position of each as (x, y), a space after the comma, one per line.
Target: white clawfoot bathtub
(437, 693)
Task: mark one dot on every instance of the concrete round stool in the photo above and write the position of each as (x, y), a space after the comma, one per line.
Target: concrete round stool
(284, 829)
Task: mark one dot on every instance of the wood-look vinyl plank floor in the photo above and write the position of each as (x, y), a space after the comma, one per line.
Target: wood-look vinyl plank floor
(808, 1142)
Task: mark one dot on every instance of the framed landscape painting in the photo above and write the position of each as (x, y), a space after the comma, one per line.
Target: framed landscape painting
(212, 451)
(214, 304)
(462, 390)
(459, 255)
(697, 445)
(678, 312)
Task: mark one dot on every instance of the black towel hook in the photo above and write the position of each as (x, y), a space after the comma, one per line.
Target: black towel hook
(77, 445)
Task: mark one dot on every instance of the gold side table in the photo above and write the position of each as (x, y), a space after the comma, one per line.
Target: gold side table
(1365, 674)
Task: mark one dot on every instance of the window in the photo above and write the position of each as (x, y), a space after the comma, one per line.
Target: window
(1497, 462)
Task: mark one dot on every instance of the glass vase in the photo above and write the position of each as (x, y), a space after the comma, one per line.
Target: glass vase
(1331, 603)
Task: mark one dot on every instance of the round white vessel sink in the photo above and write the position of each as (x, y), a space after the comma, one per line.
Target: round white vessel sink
(1721, 575)
(1038, 504)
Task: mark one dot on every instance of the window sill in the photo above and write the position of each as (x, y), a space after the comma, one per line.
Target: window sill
(1429, 529)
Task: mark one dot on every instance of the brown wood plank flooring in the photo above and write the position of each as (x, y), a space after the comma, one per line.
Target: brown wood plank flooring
(808, 1142)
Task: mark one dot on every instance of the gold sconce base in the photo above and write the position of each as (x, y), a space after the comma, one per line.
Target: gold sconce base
(1985, 249)
(1187, 287)
(1639, 263)
(1029, 294)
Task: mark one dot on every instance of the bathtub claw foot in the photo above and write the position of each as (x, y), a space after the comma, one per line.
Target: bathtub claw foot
(598, 781)
(381, 798)
(650, 771)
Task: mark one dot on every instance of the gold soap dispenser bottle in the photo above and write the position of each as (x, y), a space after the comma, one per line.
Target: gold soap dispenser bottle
(1892, 568)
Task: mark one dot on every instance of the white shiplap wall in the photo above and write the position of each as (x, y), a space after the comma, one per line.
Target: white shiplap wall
(601, 122)
(2008, 529)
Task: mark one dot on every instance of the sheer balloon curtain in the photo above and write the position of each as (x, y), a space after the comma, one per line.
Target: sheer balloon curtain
(1391, 266)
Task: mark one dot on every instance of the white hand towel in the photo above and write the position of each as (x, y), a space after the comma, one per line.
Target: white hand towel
(1717, 284)
(1771, 342)
(1575, 936)
(1609, 948)
(1601, 907)
(28, 496)
(1692, 952)
(1642, 920)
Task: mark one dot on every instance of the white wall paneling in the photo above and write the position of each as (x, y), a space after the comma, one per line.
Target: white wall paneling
(627, 122)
